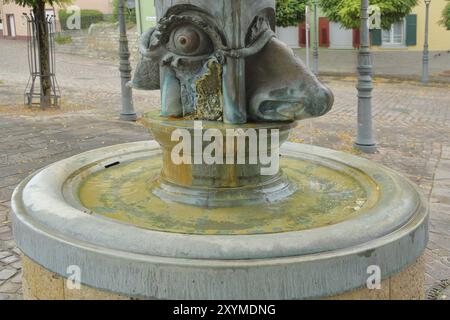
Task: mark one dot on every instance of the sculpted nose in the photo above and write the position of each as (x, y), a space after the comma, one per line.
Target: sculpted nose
(281, 88)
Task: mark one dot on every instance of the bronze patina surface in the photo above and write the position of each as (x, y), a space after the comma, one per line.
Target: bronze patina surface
(227, 181)
(221, 61)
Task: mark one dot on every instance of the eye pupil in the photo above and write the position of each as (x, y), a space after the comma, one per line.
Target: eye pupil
(182, 40)
(187, 40)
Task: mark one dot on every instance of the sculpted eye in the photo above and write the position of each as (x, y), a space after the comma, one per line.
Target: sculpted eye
(190, 41)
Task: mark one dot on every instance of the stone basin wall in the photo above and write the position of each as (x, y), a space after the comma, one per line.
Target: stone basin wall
(42, 284)
(100, 41)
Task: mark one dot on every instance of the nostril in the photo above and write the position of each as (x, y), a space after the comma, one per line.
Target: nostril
(327, 100)
(330, 97)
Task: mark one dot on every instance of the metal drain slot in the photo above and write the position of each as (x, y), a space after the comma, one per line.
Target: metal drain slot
(112, 165)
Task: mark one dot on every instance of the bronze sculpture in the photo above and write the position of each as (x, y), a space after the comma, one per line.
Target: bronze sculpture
(221, 61)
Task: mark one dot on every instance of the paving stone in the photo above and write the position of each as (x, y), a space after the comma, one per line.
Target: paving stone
(16, 265)
(446, 152)
(17, 251)
(4, 297)
(10, 287)
(440, 207)
(429, 280)
(440, 199)
(7, 245)
(440, 241)
(6, 236)
(9, 259)
(5, 193)
(4, 254)
(5, 274)
(439, 270)
(17, 278)
(441, 227)
(442, 174)
(439, 191)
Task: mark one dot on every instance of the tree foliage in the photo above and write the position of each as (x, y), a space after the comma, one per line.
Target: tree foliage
(290, 12)
(130, 14)
(348, 12)
(446, 16)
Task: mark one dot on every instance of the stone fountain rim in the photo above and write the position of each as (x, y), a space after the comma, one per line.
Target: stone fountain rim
(82, 239)
(44, 189)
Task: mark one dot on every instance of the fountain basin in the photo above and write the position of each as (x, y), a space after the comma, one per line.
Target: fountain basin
(59, 223)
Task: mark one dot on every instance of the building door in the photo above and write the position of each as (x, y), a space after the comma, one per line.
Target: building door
(340, 38)
(302, 35)
(324, 32)
(11, 24)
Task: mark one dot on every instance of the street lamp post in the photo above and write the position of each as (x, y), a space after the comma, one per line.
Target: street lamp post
(307, 29)
(316, 41)
(128, 113)
(365, 141)
(426, 52)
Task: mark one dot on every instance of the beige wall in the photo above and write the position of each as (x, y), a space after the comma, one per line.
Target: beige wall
(1, 18)
(19, 20)
(439, 36)
(104, 6)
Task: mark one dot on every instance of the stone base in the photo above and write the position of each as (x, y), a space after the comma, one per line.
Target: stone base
(406, 285)
(42, 284)
(39, 283)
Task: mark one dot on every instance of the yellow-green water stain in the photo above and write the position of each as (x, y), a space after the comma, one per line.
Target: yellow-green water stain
(325, 197)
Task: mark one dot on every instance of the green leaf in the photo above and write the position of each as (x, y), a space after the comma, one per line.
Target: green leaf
(290, 12)
(348, 12)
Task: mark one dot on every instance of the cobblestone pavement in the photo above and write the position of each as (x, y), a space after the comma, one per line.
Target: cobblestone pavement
(391, 63)
(412, 124)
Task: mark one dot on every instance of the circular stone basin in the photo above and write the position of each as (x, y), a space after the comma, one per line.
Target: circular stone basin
(327, 193)
(96, 210)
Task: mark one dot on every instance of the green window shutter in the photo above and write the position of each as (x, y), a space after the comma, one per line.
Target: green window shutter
(411, 30)
(375, 37)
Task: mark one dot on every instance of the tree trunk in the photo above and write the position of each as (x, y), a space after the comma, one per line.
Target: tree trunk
(44, 56)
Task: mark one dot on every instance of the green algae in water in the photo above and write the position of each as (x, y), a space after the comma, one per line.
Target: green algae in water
(325, 196)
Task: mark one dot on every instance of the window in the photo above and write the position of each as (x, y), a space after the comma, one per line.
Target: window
(395, 36)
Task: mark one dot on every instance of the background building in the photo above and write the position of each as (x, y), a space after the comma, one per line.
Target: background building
(14, 22)
(409, 34)
(146, 15)
(1, 18)
(406, 35)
